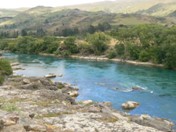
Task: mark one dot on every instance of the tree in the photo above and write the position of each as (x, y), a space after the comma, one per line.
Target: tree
(23, 32)
(98, 42)
(68, 47)
(40, 32)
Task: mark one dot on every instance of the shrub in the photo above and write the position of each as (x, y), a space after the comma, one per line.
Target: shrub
(5, 69)
(111, 54)
(98, 41)
(144, 56)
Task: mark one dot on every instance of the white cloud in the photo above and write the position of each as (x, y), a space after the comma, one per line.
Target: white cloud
(32, 3)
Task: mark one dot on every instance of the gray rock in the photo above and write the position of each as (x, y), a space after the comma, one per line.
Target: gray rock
(73, 93)
(14, 128)
(130, 105)
(158, 123)
(26, 81)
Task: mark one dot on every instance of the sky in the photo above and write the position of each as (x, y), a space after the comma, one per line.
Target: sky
(33, 3)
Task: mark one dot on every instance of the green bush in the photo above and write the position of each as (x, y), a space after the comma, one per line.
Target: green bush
(98, 41)
(5, 69)
(85, 49)
(68, 47)
(144, 56)
(120, 49)
(111, 54)
(1, 79)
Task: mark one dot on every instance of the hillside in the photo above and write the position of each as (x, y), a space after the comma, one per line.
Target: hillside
(160, 9)
(120, 6)
(8, 13)
(82, 18)
(173, 14)
(47, 20)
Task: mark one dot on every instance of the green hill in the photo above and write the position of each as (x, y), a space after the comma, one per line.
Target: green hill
(55, 20)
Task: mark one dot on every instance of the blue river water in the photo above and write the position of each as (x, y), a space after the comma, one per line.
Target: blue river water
(109, 81)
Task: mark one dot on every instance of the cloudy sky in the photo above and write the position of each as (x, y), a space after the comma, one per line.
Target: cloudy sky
(32, 3)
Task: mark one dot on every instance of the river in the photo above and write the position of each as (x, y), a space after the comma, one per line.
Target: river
(109, 81)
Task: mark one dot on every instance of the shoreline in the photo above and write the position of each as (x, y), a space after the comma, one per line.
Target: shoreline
(99, 58)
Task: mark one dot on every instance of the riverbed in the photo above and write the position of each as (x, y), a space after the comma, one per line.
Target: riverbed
(109, 81)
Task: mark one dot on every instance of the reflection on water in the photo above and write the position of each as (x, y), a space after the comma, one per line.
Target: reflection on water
(153, 88)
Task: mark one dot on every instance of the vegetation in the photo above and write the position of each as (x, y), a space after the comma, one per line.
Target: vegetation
(147, 43)
(10, 107)
(5, 69)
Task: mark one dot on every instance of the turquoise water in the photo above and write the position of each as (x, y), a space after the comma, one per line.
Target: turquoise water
(108, 81)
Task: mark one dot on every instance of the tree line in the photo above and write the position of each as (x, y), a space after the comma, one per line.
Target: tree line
(147, 43)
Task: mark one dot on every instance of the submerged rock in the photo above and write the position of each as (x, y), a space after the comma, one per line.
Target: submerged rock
(129, 105)
(137, 88)
(50, 75)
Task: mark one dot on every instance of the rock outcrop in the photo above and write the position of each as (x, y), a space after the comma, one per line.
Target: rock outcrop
(39, 105)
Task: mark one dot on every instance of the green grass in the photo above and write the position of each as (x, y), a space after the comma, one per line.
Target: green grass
(10, 107)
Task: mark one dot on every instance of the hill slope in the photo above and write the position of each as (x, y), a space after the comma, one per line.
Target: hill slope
(160, 9)
(55, 21)
(119, 6)
(82, 17)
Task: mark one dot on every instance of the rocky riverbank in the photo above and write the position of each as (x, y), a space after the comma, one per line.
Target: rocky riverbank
(40, 105)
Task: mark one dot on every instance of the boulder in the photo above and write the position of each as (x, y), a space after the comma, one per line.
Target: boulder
(14, 128)
(31, 115)
(73, 93)
(50, 75)
(158, 123)
(86, 102)
(130, 105)
(8, 122)
(26, 81)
